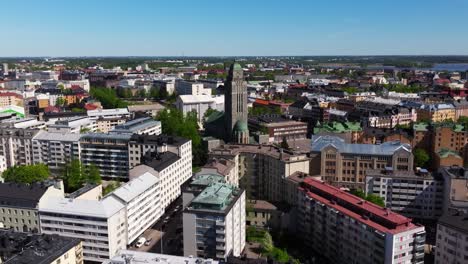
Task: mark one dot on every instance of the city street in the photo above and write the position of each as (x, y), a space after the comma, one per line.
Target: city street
(171, 226)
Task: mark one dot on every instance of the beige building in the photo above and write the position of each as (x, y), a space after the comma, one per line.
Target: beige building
(44, 249)
(16, 145)
(19, 204)
(344, 165)
(262, 169)
(9, 98)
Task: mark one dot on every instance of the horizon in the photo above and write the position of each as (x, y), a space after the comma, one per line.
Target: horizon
(232, 29)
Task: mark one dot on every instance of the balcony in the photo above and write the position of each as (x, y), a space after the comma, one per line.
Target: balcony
(220, 231)
(220, 239)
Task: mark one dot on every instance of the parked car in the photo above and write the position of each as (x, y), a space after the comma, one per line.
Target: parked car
(140, 242)
(148, 241)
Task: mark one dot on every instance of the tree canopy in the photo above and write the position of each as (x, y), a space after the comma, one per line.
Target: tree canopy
(421, 157)
(26, 173)
(107, 97)
(375, 199)
(75, 175)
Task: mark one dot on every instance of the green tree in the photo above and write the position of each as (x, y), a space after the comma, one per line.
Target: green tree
(421, 157)
(75, 175)
(375, 199)
(142, 93)
(107, 97)
(26, 173)
(60, 101)
(110, 187)
(154, 93)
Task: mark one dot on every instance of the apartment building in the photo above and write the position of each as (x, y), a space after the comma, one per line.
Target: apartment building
(109, 152)
(436, 112)
(43, 249)
(191, 88)
(262, 169)
(144, 125)
(10, 98)
(109, 113)
(100, 224)
(107, 124)
(344, 165)
(75, 125)
(455, 188)
(414, 194)
(141, 197)
(55, 149)
(19, 204)
(452, 238)
(223, 167)
(131, 256)
(343, 228)
(214, 222)
(278, 128)
(16, 145)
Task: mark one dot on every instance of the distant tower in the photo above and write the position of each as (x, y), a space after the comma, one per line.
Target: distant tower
(5, 68)
(235, 106)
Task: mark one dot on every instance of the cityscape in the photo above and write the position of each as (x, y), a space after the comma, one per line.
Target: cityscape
(186, 134)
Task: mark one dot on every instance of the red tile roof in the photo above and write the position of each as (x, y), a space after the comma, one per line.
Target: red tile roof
(377, 217)
(11, 94)
(262, 102)
(90, 107)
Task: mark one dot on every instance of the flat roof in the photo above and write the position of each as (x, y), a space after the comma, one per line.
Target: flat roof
(57, 136)
(135, 187)
(138, 257)
(456, 220)
(22, 195)
(216, 196)
(27, 248)
(104, 208)
(162, 160)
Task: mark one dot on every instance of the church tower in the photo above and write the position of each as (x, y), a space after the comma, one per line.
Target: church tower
(235, 106)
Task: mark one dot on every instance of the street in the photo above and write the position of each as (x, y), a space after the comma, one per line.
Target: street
(171, 226)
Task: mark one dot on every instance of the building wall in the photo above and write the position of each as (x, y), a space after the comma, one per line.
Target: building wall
(452, 245)
(72, 256)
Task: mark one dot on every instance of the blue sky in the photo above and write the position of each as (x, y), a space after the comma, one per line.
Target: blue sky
(231, 28)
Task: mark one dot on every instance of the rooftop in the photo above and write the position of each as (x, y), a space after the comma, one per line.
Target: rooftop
(444, 153)
(22, 195)
(104, 208)
(52, 136)
(377, 217)
(26, 248)
(135, 187)
(338, 127)
(207, 179)
(217, 196)
(275, 152)
(136, 257)
(386, 149)
(455, 219)
(160, 161)
(136, 125)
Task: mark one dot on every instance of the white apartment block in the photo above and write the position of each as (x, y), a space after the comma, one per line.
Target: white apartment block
(3, 166)
(167, 158)
(107, 124)
(141, 199)
(140, 126)
(214, 222)
(73, 125)
(190, 88)
(416, 195)
(56, 149)
(109, 113)
(452, 238)
(101, 225)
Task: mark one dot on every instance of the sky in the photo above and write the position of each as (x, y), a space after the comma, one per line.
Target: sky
(233, 28)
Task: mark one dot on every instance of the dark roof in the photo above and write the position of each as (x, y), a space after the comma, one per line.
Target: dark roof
(455, 219)
(299, 104)
(160, 161)
(24, 248)
(22, 195)
(159, 140)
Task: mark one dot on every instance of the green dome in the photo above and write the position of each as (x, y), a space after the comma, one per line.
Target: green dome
(237, 66)
(241, 126)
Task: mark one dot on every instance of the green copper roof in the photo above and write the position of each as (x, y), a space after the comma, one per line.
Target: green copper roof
(207, 179)
(14, 112)
(241, 126)
(237, 66)
(420, 126)
(216, 196)
(458, 128)
(338, 127)
(214, 116)
(444, 153)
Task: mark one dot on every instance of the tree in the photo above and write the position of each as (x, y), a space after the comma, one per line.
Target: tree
(110, 187)
(75, 175)
(375, 199)
(26, 173)
(107, 97)
(421, 158)
(60, 101)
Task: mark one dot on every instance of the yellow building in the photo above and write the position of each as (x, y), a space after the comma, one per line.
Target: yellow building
(436, 112)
